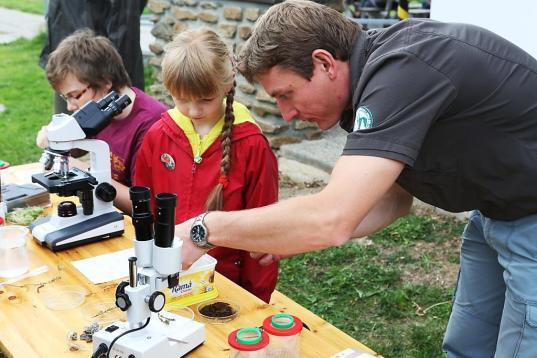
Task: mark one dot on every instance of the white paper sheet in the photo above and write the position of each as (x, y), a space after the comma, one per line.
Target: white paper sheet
(107, 267)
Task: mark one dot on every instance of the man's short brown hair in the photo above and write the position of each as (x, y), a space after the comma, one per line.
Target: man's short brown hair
(91, 59)
(287, 34)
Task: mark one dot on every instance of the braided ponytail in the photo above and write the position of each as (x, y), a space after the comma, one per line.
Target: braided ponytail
(216, 198)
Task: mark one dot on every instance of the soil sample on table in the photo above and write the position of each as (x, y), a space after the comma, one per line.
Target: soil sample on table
(217, 309)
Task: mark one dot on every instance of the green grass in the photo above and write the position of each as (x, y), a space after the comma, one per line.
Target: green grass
(360, 289)
(33, 6)
(25, 93)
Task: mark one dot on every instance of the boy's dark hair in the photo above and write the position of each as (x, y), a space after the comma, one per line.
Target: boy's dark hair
(91, 59)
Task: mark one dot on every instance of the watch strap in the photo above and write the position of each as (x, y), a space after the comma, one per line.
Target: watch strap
(206, 245)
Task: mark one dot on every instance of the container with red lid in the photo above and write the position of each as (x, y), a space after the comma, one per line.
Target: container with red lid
(248, 343)
(284, 333)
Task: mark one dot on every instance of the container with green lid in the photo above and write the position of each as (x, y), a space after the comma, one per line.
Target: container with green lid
(248, 342)
(284, 333)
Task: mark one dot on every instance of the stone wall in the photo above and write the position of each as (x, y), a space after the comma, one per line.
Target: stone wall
(233, 20)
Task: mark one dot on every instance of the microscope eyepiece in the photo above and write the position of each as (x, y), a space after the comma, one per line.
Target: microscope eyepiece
(142, 219)
(106, 100)
(140, 196)
(118, 105)
(166, 200)
(165, 219)
(93, 117)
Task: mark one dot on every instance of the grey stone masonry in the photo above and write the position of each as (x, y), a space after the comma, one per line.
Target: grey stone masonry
(233, 20)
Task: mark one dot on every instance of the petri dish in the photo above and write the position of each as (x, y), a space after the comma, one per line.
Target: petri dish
(180, 310)
(218, 311)
(63, 297)
(102, 312)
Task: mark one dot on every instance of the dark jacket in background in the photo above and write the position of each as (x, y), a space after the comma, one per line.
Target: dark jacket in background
(119, 20)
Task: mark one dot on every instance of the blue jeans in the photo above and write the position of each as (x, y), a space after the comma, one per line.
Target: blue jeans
(495, 309)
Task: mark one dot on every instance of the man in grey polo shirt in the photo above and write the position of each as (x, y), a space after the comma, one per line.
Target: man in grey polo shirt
(446, 113)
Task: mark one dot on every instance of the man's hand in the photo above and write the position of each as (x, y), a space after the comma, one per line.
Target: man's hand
(42, 138)
(190, 252)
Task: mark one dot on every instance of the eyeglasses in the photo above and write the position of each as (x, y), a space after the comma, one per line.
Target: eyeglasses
(75, 97)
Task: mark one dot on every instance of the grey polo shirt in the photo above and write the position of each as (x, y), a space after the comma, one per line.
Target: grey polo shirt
(457, 105)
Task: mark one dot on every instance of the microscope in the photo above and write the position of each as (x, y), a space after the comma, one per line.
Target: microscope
(96, 218)
(158, 254)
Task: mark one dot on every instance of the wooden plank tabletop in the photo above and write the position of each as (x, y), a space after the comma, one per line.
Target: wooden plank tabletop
(29, 329)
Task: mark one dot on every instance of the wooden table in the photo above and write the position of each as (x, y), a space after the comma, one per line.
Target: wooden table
(29, 329)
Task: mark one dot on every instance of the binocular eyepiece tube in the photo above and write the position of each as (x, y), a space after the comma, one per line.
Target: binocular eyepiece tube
(165, 219)
(113, 103)
(106, 100)
(142, 219)
(117, 106)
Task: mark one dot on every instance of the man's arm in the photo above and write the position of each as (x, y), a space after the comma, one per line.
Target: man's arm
(394, 204)
(300, 224)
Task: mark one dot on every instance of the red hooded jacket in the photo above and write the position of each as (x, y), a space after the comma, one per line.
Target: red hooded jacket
(253, 182)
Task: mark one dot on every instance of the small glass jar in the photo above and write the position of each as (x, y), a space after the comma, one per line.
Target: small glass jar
(248, 343)
(284, 334)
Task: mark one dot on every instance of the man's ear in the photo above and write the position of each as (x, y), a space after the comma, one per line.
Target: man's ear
(324, 60)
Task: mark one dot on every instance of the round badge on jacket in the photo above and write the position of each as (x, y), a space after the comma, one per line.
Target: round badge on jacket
(167, 161)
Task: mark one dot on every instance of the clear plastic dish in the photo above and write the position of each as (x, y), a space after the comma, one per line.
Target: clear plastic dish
(218, 311)
(102, 312)
(63, 297)
(180, 310)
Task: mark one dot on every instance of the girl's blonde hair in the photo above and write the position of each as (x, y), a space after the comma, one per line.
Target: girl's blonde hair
(198, 64)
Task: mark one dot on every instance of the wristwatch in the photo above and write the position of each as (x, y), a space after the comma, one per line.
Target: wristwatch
(199, 233)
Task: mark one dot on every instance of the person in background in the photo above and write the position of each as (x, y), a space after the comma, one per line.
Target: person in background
(86, 67)
(445, 112)
(118, 20)
(209, 151)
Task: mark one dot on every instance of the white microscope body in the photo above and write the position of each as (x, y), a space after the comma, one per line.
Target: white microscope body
(96, 218)
(148, 333)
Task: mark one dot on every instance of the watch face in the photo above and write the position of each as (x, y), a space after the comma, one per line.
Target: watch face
(197, 233)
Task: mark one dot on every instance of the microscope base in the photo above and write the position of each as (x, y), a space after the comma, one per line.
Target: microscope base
(62, 233)
(158, 339)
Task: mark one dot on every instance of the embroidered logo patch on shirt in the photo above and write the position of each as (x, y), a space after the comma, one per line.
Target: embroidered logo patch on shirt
(167, 161)
(363, 119)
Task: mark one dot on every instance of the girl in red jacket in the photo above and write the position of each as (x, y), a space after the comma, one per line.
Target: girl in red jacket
(209, 151)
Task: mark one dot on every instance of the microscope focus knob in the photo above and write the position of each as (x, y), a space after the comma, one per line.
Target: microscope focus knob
(123, 302)
(105, 192)
(122, 299)
(66, 209)
(156, 301)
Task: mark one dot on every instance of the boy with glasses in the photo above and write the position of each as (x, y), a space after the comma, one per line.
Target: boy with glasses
(86, 67)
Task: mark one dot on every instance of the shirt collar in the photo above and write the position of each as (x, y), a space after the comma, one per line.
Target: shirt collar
(357, 61)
